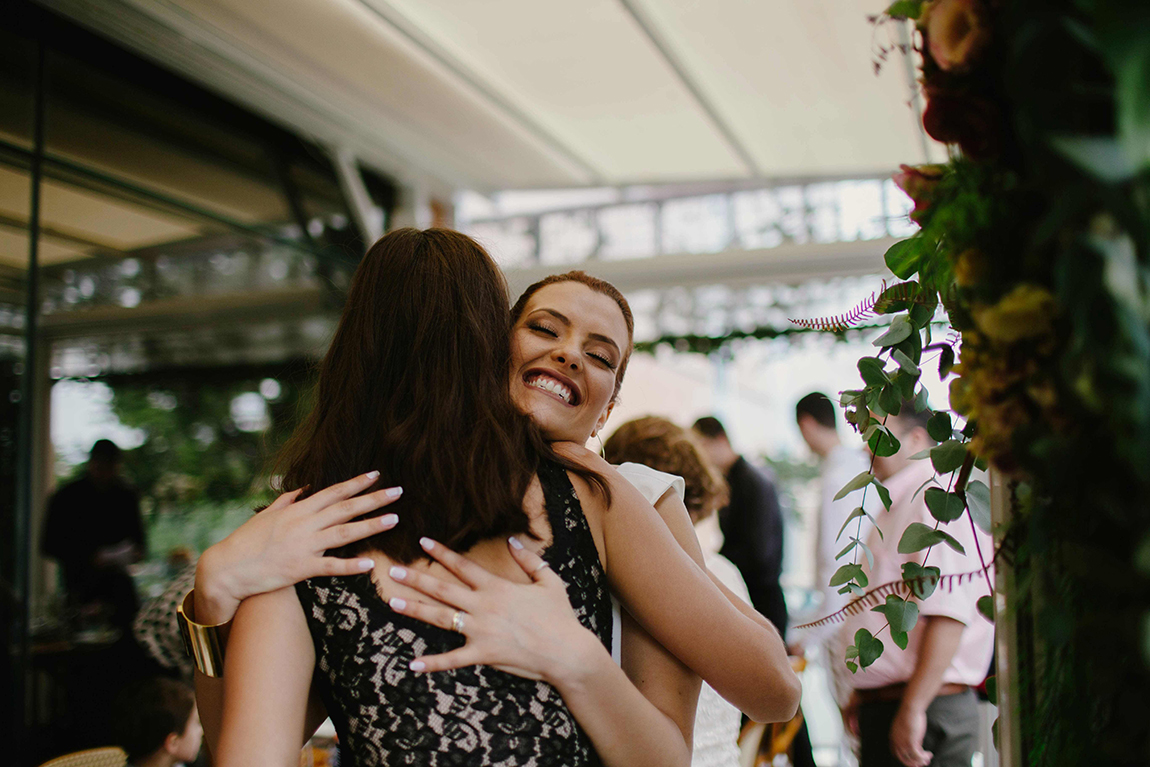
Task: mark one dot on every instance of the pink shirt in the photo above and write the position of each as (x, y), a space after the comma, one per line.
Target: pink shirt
(972, 658)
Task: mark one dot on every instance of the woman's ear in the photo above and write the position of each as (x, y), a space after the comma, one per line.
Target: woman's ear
(172, 743)
(599, 424)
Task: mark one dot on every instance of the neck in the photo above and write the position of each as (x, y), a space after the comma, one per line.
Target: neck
(160, 758)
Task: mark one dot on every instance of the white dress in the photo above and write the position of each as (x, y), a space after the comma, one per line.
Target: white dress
(716, 721)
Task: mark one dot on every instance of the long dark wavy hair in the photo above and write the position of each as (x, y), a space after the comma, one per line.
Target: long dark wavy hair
(415, 386)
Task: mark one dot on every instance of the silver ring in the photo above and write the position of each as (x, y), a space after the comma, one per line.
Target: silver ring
(540, 567)
(457, 622)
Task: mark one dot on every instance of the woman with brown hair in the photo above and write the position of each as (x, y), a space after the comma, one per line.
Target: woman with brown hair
(569, 347)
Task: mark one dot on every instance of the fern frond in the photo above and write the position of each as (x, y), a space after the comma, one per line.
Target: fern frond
(904, 292)
(843, 322)
(877, 595)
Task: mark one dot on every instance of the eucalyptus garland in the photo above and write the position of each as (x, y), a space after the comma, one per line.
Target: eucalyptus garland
(1035, 241)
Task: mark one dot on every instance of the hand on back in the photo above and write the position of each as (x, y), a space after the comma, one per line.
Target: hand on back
(286, 543)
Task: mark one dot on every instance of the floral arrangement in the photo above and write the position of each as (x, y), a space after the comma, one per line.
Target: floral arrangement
(1034, 242)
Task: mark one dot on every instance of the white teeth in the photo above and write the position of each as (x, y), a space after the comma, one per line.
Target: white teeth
(551, 385)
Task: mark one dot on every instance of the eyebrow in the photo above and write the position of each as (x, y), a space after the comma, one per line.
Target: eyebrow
(596, 336)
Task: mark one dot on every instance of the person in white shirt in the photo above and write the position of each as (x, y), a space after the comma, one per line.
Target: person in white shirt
(838, 464)
(659, 457)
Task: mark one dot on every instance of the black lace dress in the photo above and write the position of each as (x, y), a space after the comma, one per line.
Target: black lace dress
(386, 714)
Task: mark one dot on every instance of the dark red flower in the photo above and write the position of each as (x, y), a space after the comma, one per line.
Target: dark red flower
(919, 183)
(972, 122)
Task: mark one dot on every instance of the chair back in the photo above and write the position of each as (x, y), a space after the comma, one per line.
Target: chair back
(109, 756)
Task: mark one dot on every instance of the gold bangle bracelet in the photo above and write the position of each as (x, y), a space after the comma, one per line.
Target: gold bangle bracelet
(201, 642)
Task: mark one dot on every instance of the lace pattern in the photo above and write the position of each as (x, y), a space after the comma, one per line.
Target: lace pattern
(387, 714)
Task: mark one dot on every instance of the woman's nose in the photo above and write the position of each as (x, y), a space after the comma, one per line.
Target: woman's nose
(567, 358)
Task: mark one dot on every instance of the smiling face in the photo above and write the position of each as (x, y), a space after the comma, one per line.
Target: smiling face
(566, 349)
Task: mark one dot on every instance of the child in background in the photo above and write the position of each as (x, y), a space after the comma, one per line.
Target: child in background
(157, 724)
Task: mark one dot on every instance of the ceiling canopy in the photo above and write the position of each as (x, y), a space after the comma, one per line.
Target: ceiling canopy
(536, 93)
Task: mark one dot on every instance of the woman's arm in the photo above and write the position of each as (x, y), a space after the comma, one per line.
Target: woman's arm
(269, 667)
(531, 631)
(281, 546)
(676, 600)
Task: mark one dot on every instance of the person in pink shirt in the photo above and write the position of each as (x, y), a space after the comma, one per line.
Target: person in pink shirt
(915, 707)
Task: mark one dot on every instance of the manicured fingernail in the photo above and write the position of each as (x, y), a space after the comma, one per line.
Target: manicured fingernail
(398, 573)
(388, 520)
(372, 475)
(417, 665)
(397, 603)
(515, 542)
(365, 564)
(426, 543)
(393, 492)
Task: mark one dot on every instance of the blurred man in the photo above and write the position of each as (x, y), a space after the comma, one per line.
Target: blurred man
(752, 523)
(93, 530)
(915, 707)
(838, 464)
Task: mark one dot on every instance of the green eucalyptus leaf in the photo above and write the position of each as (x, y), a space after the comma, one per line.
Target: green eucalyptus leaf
(905, 363)
(899, 330)
(978, 501)
(905, 9)
(890, 399)
(986, 607)
(918, 536)
(855, 667)
(848, 572)
(870, 647)
(858, 512)
(869, 554)
(858, 483)
(939, 426)
(922, 314)
(852, 652)
(900, 638)
(871, 370)
(911, 346)
(872, 402)
(922, 581)
(903, 258)
(849, 396)
(882, 442)
(901, 613)
(905, 382)
(883, 493)
(921, 400)
(945, 361)
(921, 454)
(944, 506)
(849, 548)
(948, 456)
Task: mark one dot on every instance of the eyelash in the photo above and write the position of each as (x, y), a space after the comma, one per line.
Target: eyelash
(541, 328)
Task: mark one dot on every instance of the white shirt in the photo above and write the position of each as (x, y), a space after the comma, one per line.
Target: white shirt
(715, 742)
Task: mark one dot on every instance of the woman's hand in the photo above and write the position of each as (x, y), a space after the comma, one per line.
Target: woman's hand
(285, 544)
(528, 630)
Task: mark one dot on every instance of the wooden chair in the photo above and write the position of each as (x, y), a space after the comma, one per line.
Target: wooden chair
(109, 756)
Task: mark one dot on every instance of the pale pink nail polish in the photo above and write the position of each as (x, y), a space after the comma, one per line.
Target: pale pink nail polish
(365, 564)
(417, 665)
(398, 573)
(515, 542)
(388, 520)
(393, 492)
(372, 475)
(397, 603)
(426, 543)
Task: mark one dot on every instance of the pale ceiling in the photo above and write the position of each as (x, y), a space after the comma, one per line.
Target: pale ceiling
(537, 93)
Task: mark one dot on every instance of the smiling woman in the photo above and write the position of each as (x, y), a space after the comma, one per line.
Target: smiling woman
(571, 340)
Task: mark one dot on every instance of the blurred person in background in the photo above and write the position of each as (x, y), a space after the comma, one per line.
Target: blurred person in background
(155, 721)
(916, 707)
(659, 444)
(93, 530)
(838, 464)
(751, 522)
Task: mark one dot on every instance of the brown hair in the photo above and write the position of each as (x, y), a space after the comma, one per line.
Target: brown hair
(145, 713)
(599, 286)
(414, 385)
(660, 444)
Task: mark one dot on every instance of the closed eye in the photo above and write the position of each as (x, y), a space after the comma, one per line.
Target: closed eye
(605, 360)
(541, 328)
